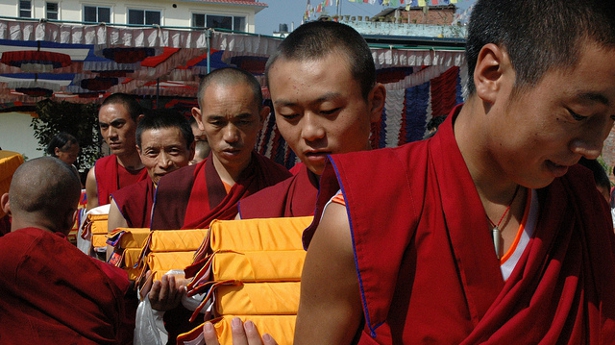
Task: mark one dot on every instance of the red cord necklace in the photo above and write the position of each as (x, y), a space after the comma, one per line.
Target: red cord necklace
(496, 231)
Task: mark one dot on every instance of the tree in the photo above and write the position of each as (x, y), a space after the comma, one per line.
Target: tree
(80, 120)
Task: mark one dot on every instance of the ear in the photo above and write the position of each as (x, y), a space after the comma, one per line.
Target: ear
(138, 149)
(5, 204)
(492, 68)
(376, 99)
(56, 151)
(264, 112)
(196, 113)
(140, 117)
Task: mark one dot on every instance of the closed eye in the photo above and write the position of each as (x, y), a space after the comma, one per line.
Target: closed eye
(576, 116)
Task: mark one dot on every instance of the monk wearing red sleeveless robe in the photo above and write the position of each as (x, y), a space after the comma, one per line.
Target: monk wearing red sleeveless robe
(319, 110)
(117, 119)
(52, 293)
(487, 233)
(231, 114)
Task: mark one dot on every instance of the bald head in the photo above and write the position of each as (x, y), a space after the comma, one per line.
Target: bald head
(230, 76)
(44, 193)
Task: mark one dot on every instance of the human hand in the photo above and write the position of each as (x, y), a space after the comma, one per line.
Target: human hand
(243, 334)
(166, 293)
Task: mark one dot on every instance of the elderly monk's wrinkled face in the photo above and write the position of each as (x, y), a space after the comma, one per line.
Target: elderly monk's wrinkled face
(231, 118)
(163, 150)
(117, 128)
(320, 110)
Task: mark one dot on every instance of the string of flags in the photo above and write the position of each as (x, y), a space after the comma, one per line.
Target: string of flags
(320, 7)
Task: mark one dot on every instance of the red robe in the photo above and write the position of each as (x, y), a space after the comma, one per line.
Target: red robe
(293, 197)
(53, 293)
(135, 203)
(111, 176)
(426, 265)
(193, 196)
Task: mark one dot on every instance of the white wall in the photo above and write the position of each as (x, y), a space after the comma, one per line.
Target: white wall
(17, 135)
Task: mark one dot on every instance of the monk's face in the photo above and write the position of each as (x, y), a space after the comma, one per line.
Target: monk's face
(534, 137)
(163, 150)
(320, 110)
(231, 118)
(117, 128)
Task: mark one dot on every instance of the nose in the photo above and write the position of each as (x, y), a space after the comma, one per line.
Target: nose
(164, 161)
(231, 133)
(589, 144)
(312, 127)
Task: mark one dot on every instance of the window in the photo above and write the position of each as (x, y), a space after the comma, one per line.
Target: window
(96, 14)
(25, 9)
(219, 22)
(143, 17)
(52, 10)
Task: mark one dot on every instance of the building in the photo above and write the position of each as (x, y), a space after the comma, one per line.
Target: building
(236, 15)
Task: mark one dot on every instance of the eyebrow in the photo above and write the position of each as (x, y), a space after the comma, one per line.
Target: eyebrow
(326, 97)
(593, 97)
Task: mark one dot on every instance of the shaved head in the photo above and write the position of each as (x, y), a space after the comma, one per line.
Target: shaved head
(44, 193)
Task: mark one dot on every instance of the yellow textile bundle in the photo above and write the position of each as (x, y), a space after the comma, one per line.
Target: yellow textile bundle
(131, 237)
(99, 224)
(161, 263)
(130, 257)
(258, 266)
(9, 162)
(99, 240)
(176, 240)
(258, 299)
(268, 234)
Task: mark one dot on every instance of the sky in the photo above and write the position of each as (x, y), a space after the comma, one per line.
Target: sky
(291, 11)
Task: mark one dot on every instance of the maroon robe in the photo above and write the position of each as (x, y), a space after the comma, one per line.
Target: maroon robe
(193, 196)
(293, 197)
(52, 293)
(135, 203)
(111, 176)
(426, 263)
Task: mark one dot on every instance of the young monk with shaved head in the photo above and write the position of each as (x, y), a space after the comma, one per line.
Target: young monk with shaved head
(51, 291)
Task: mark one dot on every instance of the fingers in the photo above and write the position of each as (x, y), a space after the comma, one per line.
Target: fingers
(243, 334)
(165, 294)
(209, 334)
(239, 334)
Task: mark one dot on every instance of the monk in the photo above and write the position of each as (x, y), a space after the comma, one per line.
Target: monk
(165, 143)
(488, 232)
(231, 114)
(51, 291)
(201, 147)
(117, 119)
(319, 110)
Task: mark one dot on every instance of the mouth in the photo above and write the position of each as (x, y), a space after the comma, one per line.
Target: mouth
(115, 145)
(316, 155)
(231, 152)
(556, 169)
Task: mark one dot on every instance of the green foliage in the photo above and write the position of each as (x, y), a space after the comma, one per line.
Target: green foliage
(80, 120)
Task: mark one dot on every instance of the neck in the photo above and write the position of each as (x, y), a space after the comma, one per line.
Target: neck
(229, 174)
(130, 161)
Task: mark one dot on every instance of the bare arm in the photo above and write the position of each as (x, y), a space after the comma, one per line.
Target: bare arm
(116, 220)
(330, 310)
(91, 191)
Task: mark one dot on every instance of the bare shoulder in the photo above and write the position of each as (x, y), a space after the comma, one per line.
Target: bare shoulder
(91, 190)
(330, 300)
